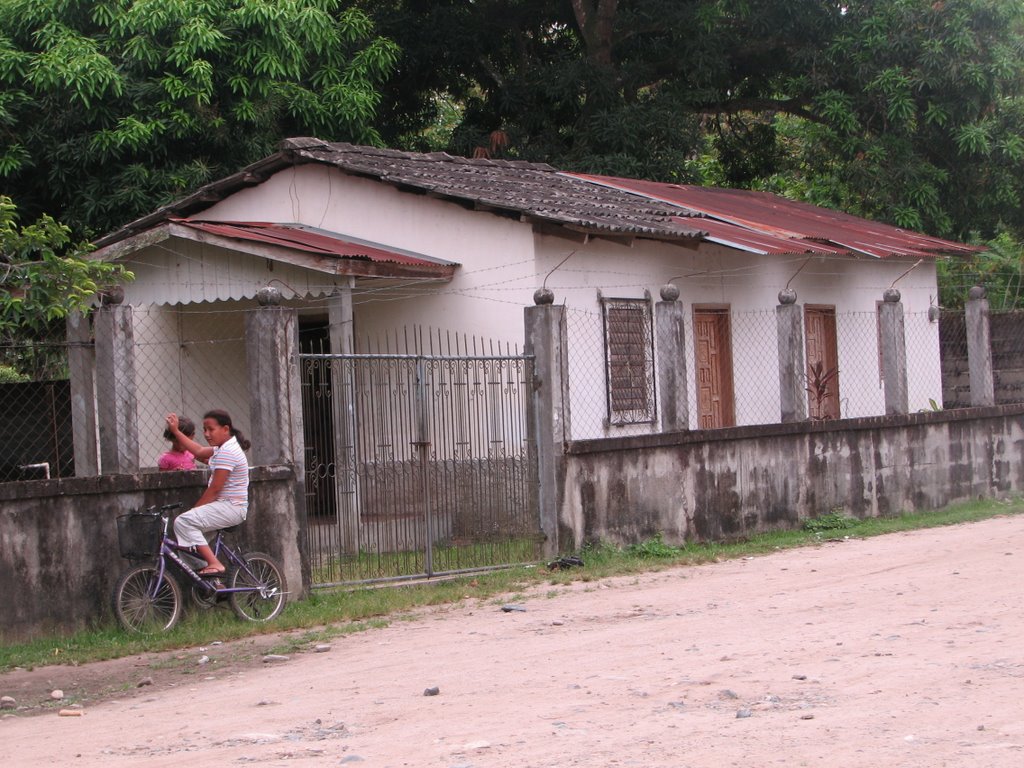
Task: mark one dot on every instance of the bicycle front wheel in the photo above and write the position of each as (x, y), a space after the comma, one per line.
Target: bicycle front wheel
(263, 582)
(143, 602)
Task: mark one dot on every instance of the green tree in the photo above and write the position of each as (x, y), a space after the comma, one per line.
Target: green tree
(110, 108)
(918, 117)
(44, 275)
(909, 111)
(999, 270)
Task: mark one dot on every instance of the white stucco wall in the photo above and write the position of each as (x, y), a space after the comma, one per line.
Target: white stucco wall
(749, 285)
(503, 261)
(187, 360)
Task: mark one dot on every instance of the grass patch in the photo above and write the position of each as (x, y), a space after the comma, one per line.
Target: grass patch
(327, 614)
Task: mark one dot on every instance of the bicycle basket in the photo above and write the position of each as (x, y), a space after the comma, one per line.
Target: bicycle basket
(139, 534)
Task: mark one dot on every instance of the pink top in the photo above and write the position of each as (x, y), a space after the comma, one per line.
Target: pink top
(176, 460)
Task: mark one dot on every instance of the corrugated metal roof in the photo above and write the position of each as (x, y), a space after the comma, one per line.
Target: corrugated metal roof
(758, 222)
(787, 225)
(303, 238)
(753, 241)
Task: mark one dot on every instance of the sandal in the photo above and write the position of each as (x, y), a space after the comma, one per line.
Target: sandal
(209, 571)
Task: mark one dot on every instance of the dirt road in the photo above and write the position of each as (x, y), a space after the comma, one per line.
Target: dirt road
(903, 650)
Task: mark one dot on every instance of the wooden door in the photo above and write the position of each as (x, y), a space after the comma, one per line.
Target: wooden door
(822, 362)
(713, 352)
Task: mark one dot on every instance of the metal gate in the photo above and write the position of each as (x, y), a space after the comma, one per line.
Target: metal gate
(417, 465)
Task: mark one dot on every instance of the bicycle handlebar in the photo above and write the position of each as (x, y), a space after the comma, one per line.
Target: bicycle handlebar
(153, 510)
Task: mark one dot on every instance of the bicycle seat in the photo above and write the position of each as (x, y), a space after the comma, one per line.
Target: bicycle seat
(231, 529)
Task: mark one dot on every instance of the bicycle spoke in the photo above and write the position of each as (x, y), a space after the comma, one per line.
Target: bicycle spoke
(264, 595)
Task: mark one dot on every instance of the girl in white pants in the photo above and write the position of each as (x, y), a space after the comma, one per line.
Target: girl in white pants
(226, 499)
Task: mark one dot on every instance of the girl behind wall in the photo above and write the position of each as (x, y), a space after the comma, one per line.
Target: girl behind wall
(177, 457)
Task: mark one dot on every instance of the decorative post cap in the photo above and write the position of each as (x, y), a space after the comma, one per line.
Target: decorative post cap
(543, 296)
(669, 292)
(787, 296)
(976, 292)
(113, 295)
(891, 295)
(268, 296)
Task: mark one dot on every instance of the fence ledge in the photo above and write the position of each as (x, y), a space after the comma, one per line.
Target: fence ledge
(669, 439)
(20, 490)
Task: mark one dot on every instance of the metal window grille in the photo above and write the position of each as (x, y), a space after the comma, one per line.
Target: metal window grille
(629, 360)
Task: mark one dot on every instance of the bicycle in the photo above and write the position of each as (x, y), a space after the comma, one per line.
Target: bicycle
(148, 596)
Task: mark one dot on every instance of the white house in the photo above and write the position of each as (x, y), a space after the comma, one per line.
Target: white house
(375, 245)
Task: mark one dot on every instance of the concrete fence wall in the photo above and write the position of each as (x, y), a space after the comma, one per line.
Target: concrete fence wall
(730, 483)
(59, 556)
(1007, 355)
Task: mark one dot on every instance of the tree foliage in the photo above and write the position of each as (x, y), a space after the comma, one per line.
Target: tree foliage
(910, 111)
(111, 107)
(999, 270)
(44, 274)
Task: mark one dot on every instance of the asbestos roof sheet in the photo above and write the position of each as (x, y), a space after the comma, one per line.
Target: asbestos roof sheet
(302, 238)
(533, 190)
(774, 224)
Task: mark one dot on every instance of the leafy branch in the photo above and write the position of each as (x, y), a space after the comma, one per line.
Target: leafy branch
(44, 276)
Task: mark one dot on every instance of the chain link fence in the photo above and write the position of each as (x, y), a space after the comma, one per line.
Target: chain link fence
(187, 361)
(191, 359)
(1006, 335)
(183, 360)
(35, 417)
(732, 367)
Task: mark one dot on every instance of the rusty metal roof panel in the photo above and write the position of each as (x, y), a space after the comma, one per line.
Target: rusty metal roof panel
(779, 217)
(752, 241)
(303, 238)
(596, 205)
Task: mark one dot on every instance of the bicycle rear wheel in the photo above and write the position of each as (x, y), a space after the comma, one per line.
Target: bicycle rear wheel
(142, 605)
(265, 588)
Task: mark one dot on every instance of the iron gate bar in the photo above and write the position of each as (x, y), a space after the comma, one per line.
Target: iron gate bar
(440, 451)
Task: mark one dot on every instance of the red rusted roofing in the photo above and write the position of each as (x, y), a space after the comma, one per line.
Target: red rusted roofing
(305, 239)
(754, 241)
(758, 222)
(767, 223)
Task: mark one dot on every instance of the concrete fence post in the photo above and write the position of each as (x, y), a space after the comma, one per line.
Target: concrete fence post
(340, 316)
(894, 352)
(670, 352)
(275, 412)
(548, 408)
(82, 375)
(979, 348)
(789, 319)
(117, 409)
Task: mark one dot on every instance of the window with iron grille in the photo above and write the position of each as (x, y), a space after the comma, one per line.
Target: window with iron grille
(629, 360)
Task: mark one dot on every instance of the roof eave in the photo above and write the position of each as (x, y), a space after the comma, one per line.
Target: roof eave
(328, 264)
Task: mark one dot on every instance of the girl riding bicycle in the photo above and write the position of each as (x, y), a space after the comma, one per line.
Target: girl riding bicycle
(226, 499)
